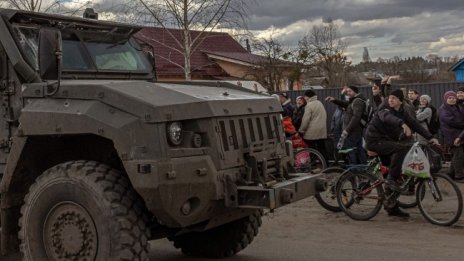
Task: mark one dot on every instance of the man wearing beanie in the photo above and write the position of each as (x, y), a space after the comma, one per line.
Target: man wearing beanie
(287, 105)
(314, 123)
(352, 128)
(384, 135)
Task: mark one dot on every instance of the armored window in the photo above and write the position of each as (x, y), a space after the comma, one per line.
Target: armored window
(116, 56)
(29, 43)
(73, 58)
(84, 51)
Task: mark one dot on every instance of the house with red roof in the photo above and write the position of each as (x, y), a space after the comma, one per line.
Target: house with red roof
(217, 56)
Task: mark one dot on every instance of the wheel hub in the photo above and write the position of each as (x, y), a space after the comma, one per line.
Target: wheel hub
(69, 233)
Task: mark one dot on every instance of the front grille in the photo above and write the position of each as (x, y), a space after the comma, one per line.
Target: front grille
(241, 132)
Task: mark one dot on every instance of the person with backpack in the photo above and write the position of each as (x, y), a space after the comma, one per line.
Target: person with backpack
(424, 116)
(352, 128)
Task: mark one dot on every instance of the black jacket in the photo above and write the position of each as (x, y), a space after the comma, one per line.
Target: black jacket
(288, 109)
(355, 108)
(386, 125)
(298, 116)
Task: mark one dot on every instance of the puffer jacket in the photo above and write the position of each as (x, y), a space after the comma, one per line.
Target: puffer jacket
(314, 122)
(386, 125)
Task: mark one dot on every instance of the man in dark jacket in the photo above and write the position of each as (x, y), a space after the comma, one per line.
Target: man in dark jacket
(288, 107)
(352, 128)
(389, 125)
(377, 97)
(413, 97)
(460, 100)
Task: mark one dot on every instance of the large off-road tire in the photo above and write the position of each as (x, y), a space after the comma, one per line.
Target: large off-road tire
(220, 242)
(83, 210)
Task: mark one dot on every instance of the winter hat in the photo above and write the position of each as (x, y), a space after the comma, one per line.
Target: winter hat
(449, 94)
(398, 93)
(309, 93)
(426, 97)
(461, 89)
(354, 88)
(299, 97)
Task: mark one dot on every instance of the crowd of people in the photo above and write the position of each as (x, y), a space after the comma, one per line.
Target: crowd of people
(396, 122)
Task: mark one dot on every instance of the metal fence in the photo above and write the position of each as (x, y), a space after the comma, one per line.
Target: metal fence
(434, 90)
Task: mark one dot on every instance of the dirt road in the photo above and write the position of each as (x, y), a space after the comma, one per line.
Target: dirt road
(305, 231)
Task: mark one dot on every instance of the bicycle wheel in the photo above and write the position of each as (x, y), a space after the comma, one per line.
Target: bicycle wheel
(360, 195)
(440, 200)
(328, 198)
(309, 160)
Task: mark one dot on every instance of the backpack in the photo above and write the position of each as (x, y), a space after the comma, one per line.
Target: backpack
(434, 123)
(368, 113)
(289, 128)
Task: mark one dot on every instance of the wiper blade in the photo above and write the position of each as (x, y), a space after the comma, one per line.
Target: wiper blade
(122, 42)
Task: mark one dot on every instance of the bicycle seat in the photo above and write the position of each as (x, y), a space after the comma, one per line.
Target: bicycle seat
(371, 153)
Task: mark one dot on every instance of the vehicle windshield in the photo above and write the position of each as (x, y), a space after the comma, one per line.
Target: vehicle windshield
(88, 55)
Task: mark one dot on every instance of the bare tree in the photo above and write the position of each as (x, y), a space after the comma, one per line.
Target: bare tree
(187, 15)
(271, 66)
(55, 6)
(325, 43)
(30, 5)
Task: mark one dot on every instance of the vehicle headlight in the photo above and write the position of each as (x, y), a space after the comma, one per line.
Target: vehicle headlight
(174, 131)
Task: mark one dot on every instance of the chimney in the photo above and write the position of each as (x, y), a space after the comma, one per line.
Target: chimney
(248, 47)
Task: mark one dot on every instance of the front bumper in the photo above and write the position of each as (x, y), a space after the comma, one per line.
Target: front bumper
(298, 187)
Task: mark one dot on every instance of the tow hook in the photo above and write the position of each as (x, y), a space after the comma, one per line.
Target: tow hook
(286, 196)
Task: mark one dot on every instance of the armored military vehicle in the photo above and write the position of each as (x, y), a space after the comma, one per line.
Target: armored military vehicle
(97, 158)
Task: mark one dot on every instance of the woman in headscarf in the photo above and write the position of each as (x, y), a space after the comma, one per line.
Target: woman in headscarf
(451, 125)
(424, 116)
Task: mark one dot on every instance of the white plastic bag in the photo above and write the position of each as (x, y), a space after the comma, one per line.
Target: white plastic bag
(416, 163)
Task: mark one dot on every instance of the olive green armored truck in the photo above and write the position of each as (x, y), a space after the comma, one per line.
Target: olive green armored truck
(97, 158)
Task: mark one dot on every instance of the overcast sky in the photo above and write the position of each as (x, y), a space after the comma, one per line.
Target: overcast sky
(386, 27)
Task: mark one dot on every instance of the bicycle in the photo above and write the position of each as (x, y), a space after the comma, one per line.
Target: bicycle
(305, 160)
(407, 199)
(328, 198)
(361, 195)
